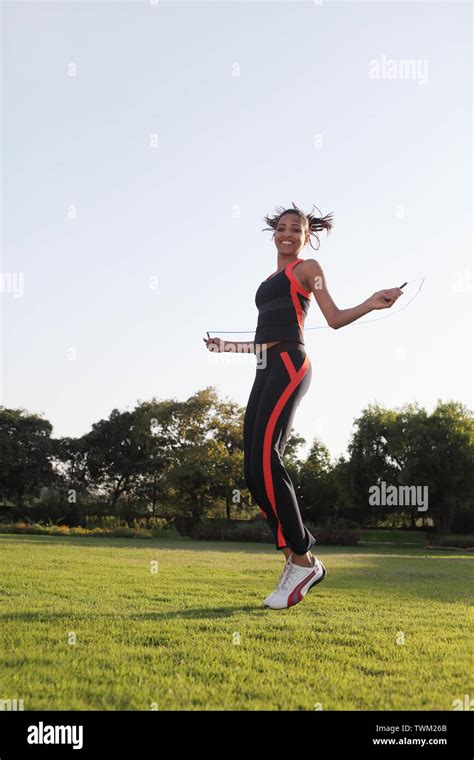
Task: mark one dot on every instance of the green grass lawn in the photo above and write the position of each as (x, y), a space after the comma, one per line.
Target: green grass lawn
(194, 634)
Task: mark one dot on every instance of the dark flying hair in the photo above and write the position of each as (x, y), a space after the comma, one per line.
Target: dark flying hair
(311, 223)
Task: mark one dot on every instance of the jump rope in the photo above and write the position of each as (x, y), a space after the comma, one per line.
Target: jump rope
(363, 322)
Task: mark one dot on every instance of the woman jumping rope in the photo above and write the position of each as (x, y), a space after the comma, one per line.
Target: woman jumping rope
(282, 378)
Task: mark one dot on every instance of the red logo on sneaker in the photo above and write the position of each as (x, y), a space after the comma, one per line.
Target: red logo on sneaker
(296, 595)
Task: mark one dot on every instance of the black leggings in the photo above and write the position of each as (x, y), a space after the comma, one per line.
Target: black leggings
(283, 376)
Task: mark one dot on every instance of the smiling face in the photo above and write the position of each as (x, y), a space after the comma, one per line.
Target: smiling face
(290, 234)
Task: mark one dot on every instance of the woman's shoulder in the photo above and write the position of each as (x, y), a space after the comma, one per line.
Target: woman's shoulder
(307, 271)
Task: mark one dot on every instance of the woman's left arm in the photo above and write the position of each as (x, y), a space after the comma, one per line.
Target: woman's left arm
(335, 317)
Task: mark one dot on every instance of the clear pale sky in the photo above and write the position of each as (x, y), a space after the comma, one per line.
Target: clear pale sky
(143, 144)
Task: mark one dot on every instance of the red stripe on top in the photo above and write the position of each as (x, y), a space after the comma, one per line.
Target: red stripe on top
(294, 282)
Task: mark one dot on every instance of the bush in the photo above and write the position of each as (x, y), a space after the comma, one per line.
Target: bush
(184, 524)
(103, 521)
(170, 532)
(239, 530)
(334, 536)
(65, 530)
(463, 522)
(259, 531)
(149, 523)
(340, 523)
(258, 534)
(463, 541)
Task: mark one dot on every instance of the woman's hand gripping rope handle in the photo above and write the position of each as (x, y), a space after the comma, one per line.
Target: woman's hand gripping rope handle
(214, 344)
(218, 345)
(390, 296)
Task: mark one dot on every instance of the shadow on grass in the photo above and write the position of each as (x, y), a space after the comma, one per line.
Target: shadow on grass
(190, 613)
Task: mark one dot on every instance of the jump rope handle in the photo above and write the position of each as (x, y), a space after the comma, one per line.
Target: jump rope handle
(388, 299)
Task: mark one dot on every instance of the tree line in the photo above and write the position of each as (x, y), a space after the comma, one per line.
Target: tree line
(185, 458)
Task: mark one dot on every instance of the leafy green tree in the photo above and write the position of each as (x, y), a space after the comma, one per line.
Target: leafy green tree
(370, 461)
(116, 455)
(228, 429)
(437, 451)
(317, 486)
(25, 455)
(408, 447)
(207, 454)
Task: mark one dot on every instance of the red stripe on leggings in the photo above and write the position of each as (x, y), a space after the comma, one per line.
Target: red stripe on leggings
(295, 379)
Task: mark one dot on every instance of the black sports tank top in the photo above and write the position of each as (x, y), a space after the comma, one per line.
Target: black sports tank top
(282, 307)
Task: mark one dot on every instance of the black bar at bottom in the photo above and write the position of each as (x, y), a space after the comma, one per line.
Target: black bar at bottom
(78, 734)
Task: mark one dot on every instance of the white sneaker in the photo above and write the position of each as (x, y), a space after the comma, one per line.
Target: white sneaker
(295, 582)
